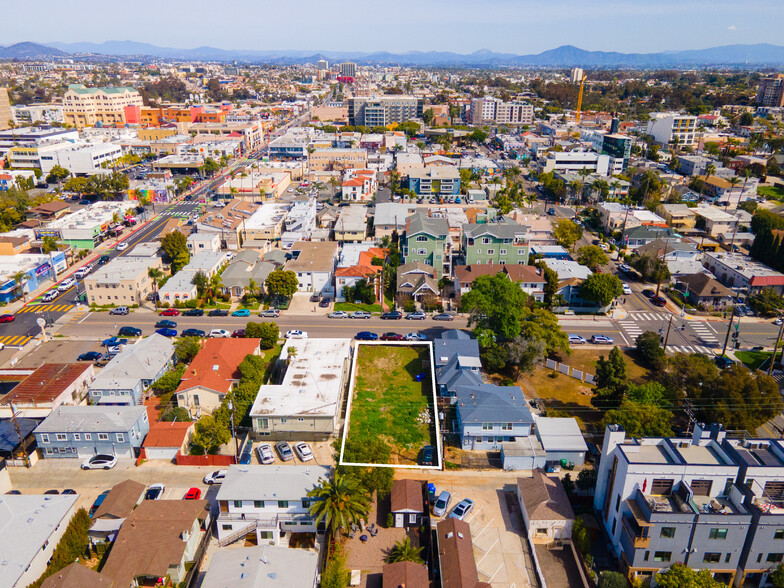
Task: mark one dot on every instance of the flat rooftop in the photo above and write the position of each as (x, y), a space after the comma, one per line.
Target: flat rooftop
(701, 455)
(646, 454)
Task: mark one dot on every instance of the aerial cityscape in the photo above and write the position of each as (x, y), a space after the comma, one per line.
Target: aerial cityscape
(466, 296)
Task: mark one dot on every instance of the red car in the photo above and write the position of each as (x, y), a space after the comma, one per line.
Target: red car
(392, 337)
(658, 301)
(238, 334)
(6, 318)
(169, 312)
(192, 494)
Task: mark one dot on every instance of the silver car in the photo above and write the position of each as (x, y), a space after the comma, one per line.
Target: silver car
(284, 450)
(442, 504)
(360, 314)
(265, 454)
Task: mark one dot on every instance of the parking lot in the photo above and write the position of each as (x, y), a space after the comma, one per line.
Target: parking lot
(53, 351)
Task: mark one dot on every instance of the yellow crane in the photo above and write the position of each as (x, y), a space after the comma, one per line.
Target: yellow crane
(580, 99)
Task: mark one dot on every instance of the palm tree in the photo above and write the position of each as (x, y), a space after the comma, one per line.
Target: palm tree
(734, 181)
(339, 503)
(616, 186)
(216, 283)
(574, 186)
(20, 279)
(709, 169)
(253, 287)
(155, 275)
(404, 551)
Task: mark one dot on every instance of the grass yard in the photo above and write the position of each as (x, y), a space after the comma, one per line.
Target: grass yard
(775, 192)
(388, 403)
(753, 359)
(351, 307)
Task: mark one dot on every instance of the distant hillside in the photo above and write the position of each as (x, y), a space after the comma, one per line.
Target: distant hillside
(28, 50)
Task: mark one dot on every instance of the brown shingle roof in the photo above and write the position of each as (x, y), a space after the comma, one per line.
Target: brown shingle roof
(77, 576)
(120, 501)
(544, 498)
(404, 574)
(456, 554)
(702, 285)
(46, 383)
(406, 495)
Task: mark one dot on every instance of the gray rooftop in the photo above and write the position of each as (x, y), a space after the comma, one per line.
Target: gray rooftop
(500, 230)
(263, 566)
(419, 223)
(392, 213)
(143, 360)
(92, 419)
(251, 482)
(488, 403)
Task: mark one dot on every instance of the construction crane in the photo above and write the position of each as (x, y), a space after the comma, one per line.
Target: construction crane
(580, 99)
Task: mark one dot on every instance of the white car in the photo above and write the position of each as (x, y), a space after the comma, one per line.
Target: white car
(296, 334)
(216, 477)
(627, 289)
(100, 462)
(576, 340)
(122, 246)
(66, 284)
(50, 295)
(778, 321)
(303, 451)
(155, 492)
(219, 334)
(601, 340)
(360, 314)
(265, 454)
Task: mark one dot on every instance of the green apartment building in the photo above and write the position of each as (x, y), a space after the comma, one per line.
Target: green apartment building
(427, 241)
(496, 242)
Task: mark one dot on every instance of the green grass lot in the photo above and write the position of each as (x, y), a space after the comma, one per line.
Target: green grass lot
(775, 192)
(388, 401)
(351, 307)
(753, 359)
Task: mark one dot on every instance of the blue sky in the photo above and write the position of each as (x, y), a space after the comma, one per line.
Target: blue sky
(514, 26)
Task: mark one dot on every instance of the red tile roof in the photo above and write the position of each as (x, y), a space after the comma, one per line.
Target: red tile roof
(46, 383)
(357, 270)
(215, 366)
(167, 434)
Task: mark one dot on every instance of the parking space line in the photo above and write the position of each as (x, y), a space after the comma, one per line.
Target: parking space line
(487, 552)
(473, 516)
(485, 529)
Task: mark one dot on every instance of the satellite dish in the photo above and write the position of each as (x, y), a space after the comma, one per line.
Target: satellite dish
(40, 322)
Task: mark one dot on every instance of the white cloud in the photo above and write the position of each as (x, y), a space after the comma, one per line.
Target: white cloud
(732, 28)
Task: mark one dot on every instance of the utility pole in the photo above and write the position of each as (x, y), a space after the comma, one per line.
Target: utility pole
(661, 267)
(667, 337)
(729, 329)
(775, 349)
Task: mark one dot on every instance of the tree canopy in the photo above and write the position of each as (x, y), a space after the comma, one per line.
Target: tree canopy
(282, 283)
(601, 288)
(175, 245)
(592, 256)
(681, 576)
(496, 303)
(567, 233)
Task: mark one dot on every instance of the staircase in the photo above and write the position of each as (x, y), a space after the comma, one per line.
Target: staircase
(250, 527)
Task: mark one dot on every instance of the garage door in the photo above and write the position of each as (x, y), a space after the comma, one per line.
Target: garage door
(774, 490)
(701, 487)
(661, 486)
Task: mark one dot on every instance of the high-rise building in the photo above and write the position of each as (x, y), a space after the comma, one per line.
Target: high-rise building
(85, 107)
(383, 110)
(322, 65)
(668, 126)
(770, 91)
(348, 69)
(6, 117)
(493, 110)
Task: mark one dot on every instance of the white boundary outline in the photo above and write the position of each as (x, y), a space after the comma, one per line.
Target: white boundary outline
(357, 346)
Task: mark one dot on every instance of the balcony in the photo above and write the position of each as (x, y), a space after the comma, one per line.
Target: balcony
(637, 528)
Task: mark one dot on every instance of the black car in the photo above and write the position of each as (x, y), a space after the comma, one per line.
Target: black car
(129, 332)
(648, 293)
(104, 259)
(165, 325)
(427, 456)
(325, 302)
(193, 333)
(90, 356)
(392, 316)
(193, 312)
(219, 312)
(315, 298)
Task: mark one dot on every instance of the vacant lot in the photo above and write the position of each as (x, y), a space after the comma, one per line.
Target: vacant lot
(775, 192)
(388, 402)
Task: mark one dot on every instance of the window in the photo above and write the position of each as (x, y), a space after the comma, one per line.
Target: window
(541, 531)
(487, 426)
(61, 436)
(262, 423)
(120, 438)
(502, 252)
(506, 426)
(774, 557)
(421, 239)
(712, 558)
(226, 527)
(266, 534)
(421, 252)
(88, 436)
(238, 504)
(645, 557)
(486, 240)
(716, 533)
(779, 534)
(258, 504)
(613, 526)
(283, 503)
(617, 502)
(491, 251)
(44, 438)
(283, 420)
(306, 503)
(662, 555)
(77, 437)
(728, 557)
(667, 532)
(300, 419)
(103, 436)
(521, 252)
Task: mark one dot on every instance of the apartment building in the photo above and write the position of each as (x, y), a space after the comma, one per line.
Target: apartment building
(351, 226)
(494, 110)
(380, 111)
(314, 264)
(121, 282)
(6, 116)
(358, 185)
(321, 160)
(617, 146)
(742, 272)
(348, 69)
(770, 91)
(252, 134)
(574, 161)
(85, 107)
(669, 126)
(427, 242)
(495, 243)
(435, 181)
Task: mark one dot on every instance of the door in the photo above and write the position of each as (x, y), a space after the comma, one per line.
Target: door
(661, 487)
(399, 518)
(701, 487)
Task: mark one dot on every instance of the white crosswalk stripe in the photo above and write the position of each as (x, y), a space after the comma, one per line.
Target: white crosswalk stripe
(631, 328)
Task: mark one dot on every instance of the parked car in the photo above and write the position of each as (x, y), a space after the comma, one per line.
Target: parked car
(130, 332)
(296, 334)
(315, 298)
(462, 509)
(50, 295)
(325, 302)
(428, 452)
(120, 310)
(104, 259)
(265, 454)
(443, 317)
(165, 325)
(219, 312)
(778, 321)
(219, 334)
(193, 333)
(98, 502)
(122, 246)
(576, 340)
(627, 289)
(392, 337)
(723, 362)
(169, 312)
(648, 293)
(241, 312)
(284, 450)
(113, 341)
(193, 312)
(6, 318)
(155, 492)
(366, 336)
(192, 494)
(392, 316)
(238, 333)
(416, 316)
(442, 504)
(338, 314)
(66, 284)
(415, 337)
(270, 313)
(90, 356)
(659, 301)
(100, 461)
(215, 477)
(303, 451)
(625, 268)
(601, 340)
(167, 332)
(360, 314)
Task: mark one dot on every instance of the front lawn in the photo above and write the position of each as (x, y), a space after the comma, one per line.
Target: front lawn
(352, 306)
(753, 359)
(775, 192)
(389, 403)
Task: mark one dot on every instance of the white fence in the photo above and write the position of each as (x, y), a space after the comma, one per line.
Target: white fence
(568, 371)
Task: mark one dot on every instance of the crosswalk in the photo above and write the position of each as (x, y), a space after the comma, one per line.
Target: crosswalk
(175, 213)
(15, 339)
(631, 328)
(704, 332)
(689, 349)
(649, 316)
(45, 308)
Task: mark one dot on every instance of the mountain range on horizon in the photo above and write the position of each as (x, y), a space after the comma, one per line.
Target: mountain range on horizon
(758, 55)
